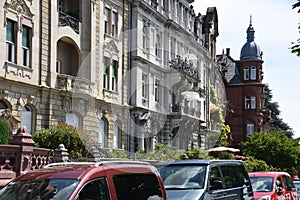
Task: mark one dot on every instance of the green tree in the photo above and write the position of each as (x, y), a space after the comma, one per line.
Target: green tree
(4, 132)
(276, 149)
(276, 123)
(78, 142)
(296, 45)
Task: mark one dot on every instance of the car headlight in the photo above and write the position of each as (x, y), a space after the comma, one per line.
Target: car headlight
(267, 197)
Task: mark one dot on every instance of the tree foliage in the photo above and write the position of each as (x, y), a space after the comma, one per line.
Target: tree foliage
(4, 132)
(276, 123)
(276, 149)
(76, 141)
(295, 48)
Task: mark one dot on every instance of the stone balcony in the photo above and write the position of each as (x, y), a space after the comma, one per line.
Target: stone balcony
(74, 84)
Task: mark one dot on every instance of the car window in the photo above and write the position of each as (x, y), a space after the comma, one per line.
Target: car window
(234, 176)
(288, 183)
(137, 186)
(215, 179)
(183, 176)
(46, 189)
(279, 185)
(262, 184)
(95, 190)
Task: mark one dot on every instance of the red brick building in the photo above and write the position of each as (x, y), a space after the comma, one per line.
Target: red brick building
(244, 90)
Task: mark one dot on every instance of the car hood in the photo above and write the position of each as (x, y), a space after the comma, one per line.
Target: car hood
(184, 194)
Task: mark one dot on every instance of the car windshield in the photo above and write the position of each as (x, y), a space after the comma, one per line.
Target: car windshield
(46, 189)
(262, 184)
(183, 176)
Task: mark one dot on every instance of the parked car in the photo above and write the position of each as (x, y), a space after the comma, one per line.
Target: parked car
(88, 181)
(205, 179)
(273, 186)
(297, 185)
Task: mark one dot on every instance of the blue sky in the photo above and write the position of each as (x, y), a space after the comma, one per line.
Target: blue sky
(275, 24)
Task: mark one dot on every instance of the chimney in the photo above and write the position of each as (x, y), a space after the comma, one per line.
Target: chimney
(228, 51)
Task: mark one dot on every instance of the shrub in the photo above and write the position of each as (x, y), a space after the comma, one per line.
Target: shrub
(78, 142)
(4, 132)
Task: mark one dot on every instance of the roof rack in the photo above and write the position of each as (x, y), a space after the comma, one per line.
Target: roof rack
(101, 163)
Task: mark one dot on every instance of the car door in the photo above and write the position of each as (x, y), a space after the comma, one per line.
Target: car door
(237, 183)
(290, 191)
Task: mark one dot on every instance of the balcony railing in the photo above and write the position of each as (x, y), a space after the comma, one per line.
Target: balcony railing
(67, 20)
(74, 84)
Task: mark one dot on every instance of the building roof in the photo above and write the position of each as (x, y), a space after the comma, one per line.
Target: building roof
(250, 50)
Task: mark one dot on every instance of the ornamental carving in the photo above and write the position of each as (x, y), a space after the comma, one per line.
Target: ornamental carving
(20, 6)
(185, 66)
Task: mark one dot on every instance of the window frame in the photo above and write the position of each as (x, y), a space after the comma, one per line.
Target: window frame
(247, 103)
(253, 73)
(253, 102)
(157, 90)
(144, 86)
(26, 50)
(11, 44)
(246, 73)
(250, 128)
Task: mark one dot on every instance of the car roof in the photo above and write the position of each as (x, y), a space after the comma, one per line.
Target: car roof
(80, 170)
(198, 162)
(267, 174)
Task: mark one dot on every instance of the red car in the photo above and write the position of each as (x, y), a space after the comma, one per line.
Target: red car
(273, 186)
(88, 181)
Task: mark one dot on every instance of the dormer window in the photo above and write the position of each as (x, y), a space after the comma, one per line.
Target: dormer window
(246, 73)
(253, 73)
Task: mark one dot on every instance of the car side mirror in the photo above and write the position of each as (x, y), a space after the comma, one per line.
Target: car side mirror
(215, 185)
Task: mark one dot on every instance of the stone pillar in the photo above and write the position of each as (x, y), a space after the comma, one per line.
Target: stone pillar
(60, 154)
(24, 156)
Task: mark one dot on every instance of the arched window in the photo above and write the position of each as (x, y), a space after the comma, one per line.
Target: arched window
(72, 119)
(116, 137)
(27, 118)
(246, 73)
(250, 128)
(253, 73)
(102, 137)
(3, 105)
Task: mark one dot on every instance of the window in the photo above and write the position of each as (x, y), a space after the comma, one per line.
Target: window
(253, 73)
(110, 22)
(96, 189)
(114, 24)
(72, 119)
(156, 90)
(116, 137)
(250, 128)
(246, 73)
(145, 37)
(102, 131)
(114, 75)
(106, 20)
(141, 186)
(10, 41)
(105, 73)
(27, 118)
(172, 47)
(253, 102)
(26, 45)
(144, 86)
(58, 66)
(234, 176)
(158, 46)
(247, 103)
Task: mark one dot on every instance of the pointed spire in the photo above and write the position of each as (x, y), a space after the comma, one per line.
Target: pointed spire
(250, 31)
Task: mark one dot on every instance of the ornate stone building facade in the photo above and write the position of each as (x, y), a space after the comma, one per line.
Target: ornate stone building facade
(132, 73)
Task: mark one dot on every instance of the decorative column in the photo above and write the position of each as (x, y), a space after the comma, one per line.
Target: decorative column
(24, 156)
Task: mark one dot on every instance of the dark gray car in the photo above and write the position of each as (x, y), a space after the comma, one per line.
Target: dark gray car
(206, 180)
